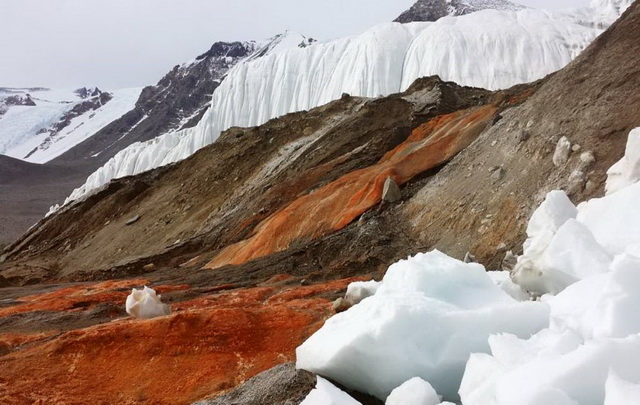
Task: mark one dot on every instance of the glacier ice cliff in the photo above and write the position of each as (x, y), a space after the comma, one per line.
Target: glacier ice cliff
(490, 48)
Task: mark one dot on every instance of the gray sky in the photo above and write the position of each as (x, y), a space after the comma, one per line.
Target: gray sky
(128, 43)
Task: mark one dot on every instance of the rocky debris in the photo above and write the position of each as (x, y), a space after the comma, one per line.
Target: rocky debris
(390, 191)
(576, 182)
(497, 173)
(348, 197)
(562, 152)
(149, 267)
(587, 159)
(432, 10)
(280, 385)
(522, 136)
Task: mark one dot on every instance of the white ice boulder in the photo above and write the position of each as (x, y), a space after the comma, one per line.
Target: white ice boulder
(594, 328)
(429, 314)
(146, 304)
(554, 211)
(518, 372)
(627, 170)
(415, 391)
(571, 254)
(359, 290)
(621, 392)
(612, 313)
(326, 393)
(614, 219)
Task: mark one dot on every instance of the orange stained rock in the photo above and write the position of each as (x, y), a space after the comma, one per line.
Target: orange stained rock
(175, 359)
(337, 204)
(9, 341)
(69, 298)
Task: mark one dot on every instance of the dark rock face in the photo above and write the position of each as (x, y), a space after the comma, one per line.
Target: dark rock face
(280, 385)
(19, 100)
(432, 10)
(178, 101)
(85, 92)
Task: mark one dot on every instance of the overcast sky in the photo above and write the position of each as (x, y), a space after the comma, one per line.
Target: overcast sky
(129, 43)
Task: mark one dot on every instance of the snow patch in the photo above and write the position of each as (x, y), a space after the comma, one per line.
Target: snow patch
(326, 393)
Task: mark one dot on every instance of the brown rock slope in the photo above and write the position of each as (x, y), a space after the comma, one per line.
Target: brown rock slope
(283, 210)
(218, 196)
(594, 102)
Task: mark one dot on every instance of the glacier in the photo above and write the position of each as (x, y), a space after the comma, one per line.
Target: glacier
(23, 128)
(490, 48)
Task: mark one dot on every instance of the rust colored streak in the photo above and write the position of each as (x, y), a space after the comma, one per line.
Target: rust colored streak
(337, 204)
(211, 347)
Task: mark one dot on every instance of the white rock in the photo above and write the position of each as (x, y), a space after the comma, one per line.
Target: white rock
(415, 391)
(145, 304)
(562, 152)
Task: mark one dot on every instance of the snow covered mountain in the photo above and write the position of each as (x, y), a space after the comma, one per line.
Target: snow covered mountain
(433, 10)
(40, 124)
(471, 49)
(178, 101)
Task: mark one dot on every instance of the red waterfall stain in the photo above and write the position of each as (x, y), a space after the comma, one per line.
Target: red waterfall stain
(337, 204)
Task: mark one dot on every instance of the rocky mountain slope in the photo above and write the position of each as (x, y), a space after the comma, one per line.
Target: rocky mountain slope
(77, 132)
(256, 234)
(178, 100)
(432, 10)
